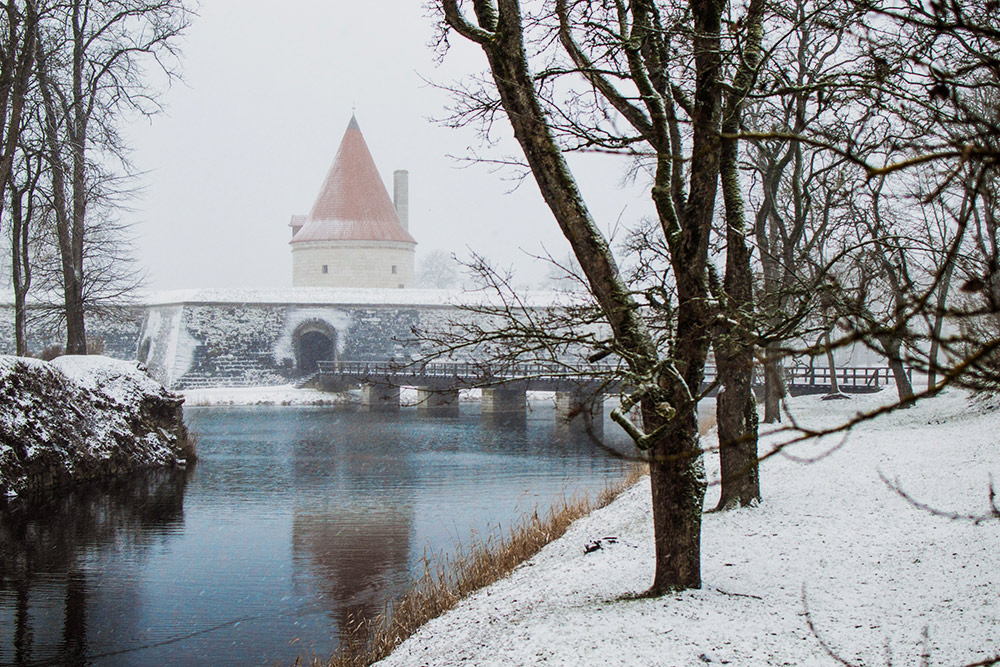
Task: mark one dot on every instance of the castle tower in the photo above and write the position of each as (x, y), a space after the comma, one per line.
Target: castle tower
(354, 236)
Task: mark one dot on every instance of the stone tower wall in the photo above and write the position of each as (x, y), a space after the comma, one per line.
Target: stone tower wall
(352, 264)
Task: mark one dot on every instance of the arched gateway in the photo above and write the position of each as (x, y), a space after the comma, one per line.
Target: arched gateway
(314, 341)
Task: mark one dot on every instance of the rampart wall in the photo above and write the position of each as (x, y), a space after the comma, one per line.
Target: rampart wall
(243, 338)
(195, 345)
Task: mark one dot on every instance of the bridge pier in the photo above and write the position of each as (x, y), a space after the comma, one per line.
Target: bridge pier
(574, 409)
(434, 400)
(379, 396)
(503, 401)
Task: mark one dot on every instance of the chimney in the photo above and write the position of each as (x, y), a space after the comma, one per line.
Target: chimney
(401, 196)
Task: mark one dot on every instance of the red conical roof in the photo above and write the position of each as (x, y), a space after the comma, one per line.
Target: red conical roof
(353, 204)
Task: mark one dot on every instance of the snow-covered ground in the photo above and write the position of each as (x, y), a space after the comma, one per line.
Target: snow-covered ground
(883, 582)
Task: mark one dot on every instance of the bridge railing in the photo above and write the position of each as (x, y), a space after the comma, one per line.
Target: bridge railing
(472, 373)
(848, 377)
(459, 369)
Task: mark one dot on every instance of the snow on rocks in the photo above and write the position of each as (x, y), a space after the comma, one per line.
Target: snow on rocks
(81, 418)
(831, 543)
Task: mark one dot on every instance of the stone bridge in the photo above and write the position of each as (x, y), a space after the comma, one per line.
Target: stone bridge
(504, 385)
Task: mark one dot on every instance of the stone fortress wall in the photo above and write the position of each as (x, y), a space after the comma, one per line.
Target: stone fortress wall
(204, 344)
(244, 338)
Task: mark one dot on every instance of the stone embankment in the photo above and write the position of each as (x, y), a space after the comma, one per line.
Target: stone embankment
(83, 418)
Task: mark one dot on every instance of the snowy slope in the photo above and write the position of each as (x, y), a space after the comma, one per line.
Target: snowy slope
(873, 571)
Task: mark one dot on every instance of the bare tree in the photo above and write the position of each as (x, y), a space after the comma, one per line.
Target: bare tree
(811, 80)
(438, 270)
(91, 67)
(660, 72)
(26, 208)
(19, 22)
(19, 25)
(734, 334)
(940, 60)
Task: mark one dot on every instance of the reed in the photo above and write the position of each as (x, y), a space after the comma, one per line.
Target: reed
(706, 424)
(366, 641)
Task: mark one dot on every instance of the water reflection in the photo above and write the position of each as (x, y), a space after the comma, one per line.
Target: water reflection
(358, 555)
(353, 539)
(48, 595)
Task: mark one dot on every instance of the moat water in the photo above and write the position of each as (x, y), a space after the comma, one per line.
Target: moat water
(294, 521)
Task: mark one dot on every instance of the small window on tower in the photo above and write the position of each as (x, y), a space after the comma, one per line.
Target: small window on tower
(393, 269)
(326, 269)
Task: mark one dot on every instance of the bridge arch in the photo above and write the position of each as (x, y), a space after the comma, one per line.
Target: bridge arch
(313, 341)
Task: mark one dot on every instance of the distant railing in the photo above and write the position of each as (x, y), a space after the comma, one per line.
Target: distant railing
(849, 379)
(467, 372)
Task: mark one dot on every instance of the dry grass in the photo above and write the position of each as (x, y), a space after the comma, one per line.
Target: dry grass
(706, 424)
(369, 640)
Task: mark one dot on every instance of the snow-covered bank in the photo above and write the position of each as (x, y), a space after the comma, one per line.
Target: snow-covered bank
(82, 418)
(874, 572)
(291, 395)
(278, 395)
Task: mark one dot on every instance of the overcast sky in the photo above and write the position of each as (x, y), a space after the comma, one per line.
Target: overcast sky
(248, 136)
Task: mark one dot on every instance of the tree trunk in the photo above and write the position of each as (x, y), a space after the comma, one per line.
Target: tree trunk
(76, 335)
(677, 474)
(942, 299)
(736, 406)
(904, 389)
(72, 275)
(677, 479)
(736, 414)
(774, 384)
(20, 324)
(831, 364)
(20, 270)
